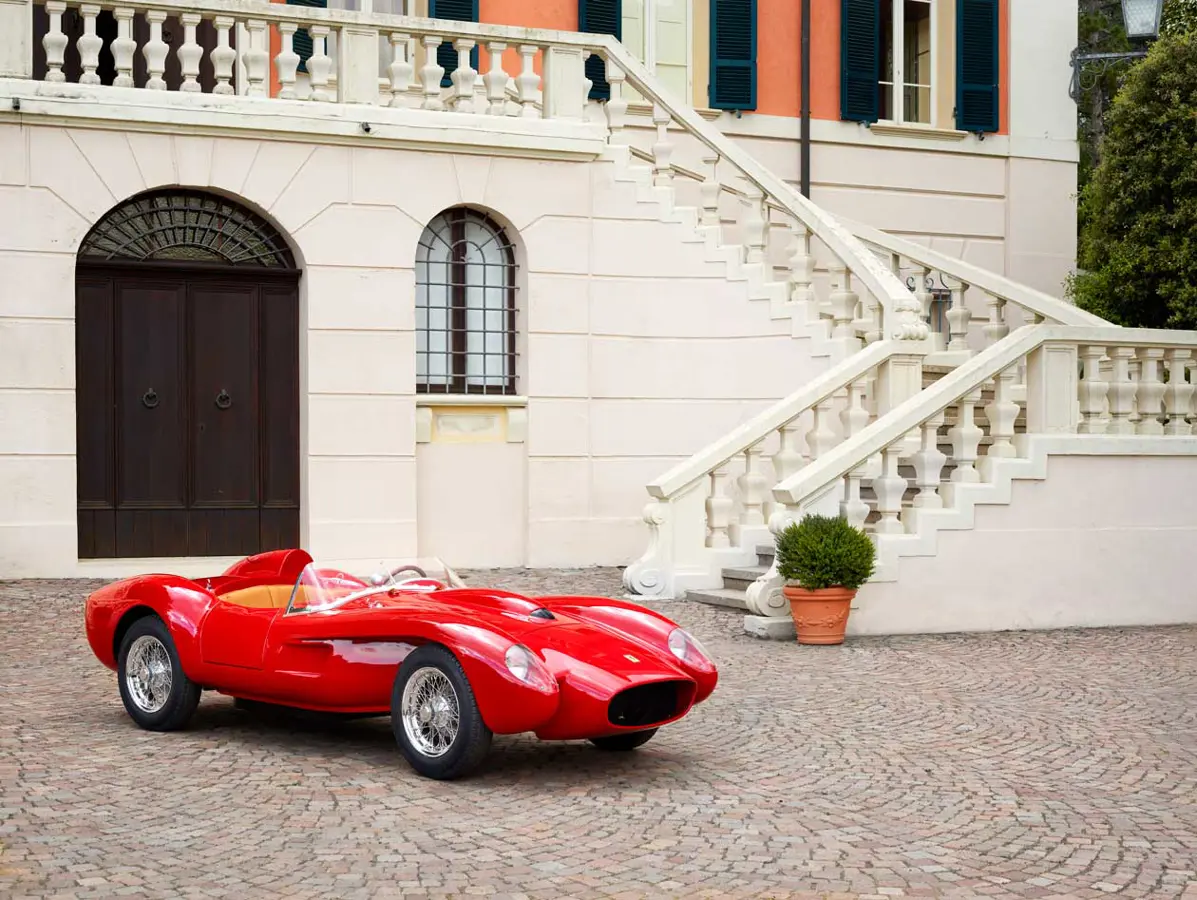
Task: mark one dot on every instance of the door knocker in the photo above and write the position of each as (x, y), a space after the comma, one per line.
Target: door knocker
(223, 400)
(149, 399)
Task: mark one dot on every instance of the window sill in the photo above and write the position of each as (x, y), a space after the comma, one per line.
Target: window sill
(895, 129)
(471, 419)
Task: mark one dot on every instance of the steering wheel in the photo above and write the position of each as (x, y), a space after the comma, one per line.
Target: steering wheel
(420, 573)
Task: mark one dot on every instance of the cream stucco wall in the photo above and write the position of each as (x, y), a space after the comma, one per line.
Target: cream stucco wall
(1061, 554)
(636, 349)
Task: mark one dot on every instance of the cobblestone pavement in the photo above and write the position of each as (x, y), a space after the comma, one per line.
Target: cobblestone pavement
(1025, 765)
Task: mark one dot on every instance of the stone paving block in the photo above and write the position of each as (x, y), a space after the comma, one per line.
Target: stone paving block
(1056, 765)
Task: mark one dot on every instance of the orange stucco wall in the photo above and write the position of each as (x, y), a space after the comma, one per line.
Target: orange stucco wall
(561, 15)
(779, 37)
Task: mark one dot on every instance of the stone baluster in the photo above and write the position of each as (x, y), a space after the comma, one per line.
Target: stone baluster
(843, 304)
(257, 59)
(852, 507)
(802, 265)
(958, 317)
(431, 74)
(617, 106)
(223, 56)
(1002, 412)
(286, 64)
(1121, 391)
(402, 68)
(662, 148)
(55, 41)
(319, 63)
(754, 488)
(1151, 391)
(854, 417)
(923, 295)
(996, 328)
(587, 84)
(123, 47)
(463, 77)
(928, 462)
(527, 83)
(890, 487)
(496, 80)
(89, 44)
(1192, 411)
(872, 320)
(191, 53)
(155, 51)
(965, 436)
(821, 437)
(719, 510)
(709, 192)
(788, 459)
(756, 224)
(1179, 394)
(1093, 391)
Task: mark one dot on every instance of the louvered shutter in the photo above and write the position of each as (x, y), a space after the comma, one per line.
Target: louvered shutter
(977, 66)
(733, 54)
(860, 59)
(301, 41)
(458, 11)
(600, 17)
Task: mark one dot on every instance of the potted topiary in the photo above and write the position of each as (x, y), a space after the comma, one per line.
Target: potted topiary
(824, 561)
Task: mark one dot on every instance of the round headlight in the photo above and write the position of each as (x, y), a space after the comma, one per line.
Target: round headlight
(518, 660)
(686, 647)
(678, 643)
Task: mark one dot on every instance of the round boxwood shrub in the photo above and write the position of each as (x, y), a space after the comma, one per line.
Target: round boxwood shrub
(823, 552)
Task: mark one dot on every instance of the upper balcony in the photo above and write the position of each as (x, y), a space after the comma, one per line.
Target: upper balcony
(260, 66)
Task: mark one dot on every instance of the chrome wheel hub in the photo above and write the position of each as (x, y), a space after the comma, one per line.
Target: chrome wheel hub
(148, 674)
(430, 711)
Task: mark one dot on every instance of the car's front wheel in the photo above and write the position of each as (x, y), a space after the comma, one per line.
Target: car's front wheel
(629, 740)
(435, 717)
(156, 693)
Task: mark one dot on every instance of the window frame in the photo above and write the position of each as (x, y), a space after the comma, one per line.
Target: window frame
(458, 332)
(648, 36)
(897, 49)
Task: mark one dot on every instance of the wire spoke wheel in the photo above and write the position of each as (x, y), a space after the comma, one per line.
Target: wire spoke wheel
(148, 674)
(431, 712)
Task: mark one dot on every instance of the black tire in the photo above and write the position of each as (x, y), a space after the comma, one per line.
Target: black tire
(184, 694)
(471, 742)
(629, 740)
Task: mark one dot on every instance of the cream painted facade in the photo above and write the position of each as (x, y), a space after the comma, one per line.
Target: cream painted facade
(686, 322)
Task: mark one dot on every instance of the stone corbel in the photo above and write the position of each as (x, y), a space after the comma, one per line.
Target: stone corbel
(648, 576)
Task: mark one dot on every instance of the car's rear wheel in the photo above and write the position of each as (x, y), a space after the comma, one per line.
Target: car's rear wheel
(629, 740)
(157, 695)
(435, 717)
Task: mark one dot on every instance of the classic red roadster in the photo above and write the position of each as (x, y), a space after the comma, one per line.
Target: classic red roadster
(451, 665)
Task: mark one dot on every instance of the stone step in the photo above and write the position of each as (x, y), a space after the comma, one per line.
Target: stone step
(721, 597)
(738, 578)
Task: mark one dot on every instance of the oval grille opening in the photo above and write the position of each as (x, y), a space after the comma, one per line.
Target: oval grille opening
(644, 704)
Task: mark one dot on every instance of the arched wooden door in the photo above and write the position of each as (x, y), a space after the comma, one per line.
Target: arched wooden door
(187, 374)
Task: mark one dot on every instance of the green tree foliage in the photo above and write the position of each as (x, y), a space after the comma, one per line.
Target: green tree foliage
(1180, 16)
(1138, 241)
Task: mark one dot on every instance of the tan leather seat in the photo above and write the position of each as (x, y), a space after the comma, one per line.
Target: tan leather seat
(261, 596)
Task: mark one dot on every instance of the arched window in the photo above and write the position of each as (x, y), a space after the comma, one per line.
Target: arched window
(465, 306)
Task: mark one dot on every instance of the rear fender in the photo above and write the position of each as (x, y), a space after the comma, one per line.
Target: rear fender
(179, 602)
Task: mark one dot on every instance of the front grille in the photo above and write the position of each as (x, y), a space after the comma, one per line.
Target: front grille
(645, 704)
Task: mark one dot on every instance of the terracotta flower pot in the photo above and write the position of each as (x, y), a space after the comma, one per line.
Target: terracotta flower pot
(820, 617)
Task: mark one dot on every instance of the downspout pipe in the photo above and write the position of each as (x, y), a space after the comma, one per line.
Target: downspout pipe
(805, 111)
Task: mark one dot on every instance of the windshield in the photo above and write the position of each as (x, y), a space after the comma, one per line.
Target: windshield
(324, 586)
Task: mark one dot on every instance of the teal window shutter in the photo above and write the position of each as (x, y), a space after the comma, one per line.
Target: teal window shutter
(977, 66)
(860, 59)
(733, 55)
(301, 41)
(600, 17)
(446, 53)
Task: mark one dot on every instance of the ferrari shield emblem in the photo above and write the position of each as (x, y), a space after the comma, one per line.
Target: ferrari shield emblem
(630, 658)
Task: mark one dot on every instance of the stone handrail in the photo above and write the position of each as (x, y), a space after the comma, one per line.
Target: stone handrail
(694, 523)
(1052, 309)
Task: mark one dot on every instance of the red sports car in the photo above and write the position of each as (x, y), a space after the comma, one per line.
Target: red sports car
(451, 665)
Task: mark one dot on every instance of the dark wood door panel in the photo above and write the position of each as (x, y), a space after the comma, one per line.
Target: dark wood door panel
(188, 411)
(224, 397)
(151, 413)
